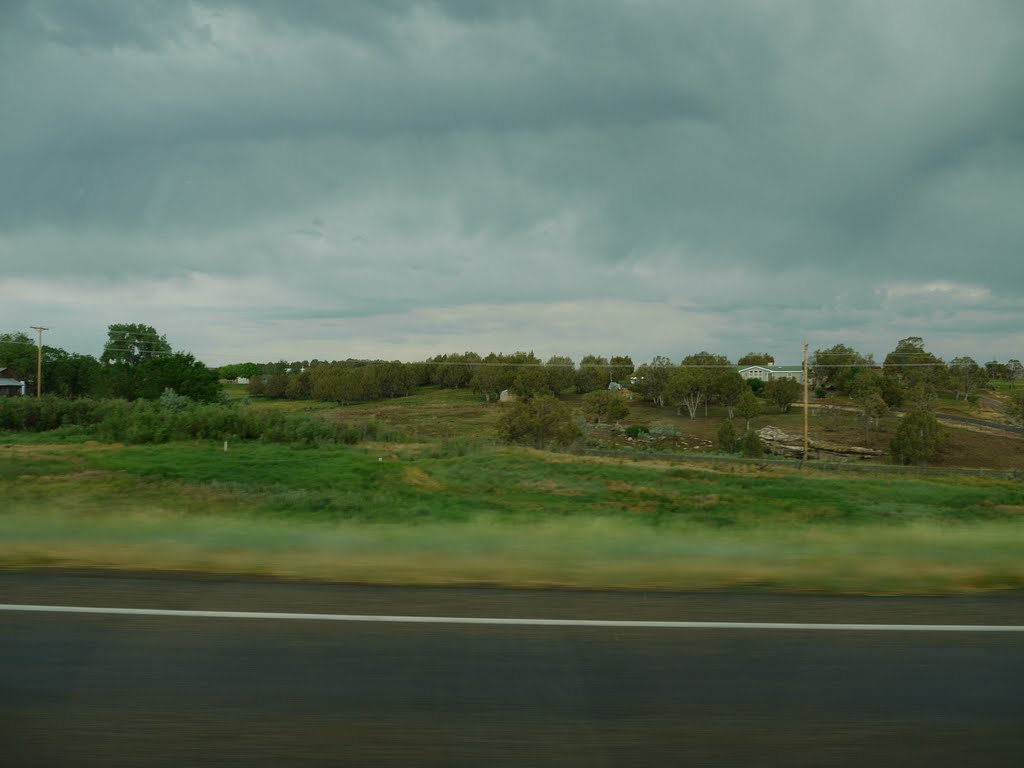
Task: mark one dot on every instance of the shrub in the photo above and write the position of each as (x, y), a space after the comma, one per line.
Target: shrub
(604, 405)
(752, 447)
(727, 438)
(636, 430)
(918, 439)
(540, 422)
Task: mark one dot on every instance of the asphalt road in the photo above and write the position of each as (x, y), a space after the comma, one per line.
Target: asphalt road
(170, 690)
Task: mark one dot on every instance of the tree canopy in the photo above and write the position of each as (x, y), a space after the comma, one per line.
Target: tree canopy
(132, 343)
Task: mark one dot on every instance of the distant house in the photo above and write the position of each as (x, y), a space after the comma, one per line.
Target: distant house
(768, 373)
(11, 385)
(242, 380)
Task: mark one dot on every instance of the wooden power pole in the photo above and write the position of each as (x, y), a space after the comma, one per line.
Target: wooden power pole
(807, 406)
(39, 360)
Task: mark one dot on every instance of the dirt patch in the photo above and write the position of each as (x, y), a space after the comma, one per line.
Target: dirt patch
(616, 486)
(554, 488)
(416, 477)
(84, 475)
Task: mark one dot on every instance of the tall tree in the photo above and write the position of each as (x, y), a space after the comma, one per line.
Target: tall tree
(712, 365)
(687, 387)
(652, 377)
(454, 371)
(1015, 371)
(132, 343)
(560, 372)
(912, 364)
(866, 390)
(621, 368)
(1016, 407)
(727, 386)
(966, 376)
(594, 373)
(918, 439)
(748, 407)
(604, 405)
(783, 393)
(756, 358)
(835, 367)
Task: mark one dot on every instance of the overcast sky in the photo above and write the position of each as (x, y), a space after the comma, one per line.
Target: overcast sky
(401, 178)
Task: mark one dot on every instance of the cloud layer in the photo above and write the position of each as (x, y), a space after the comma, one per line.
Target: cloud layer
(403, 178)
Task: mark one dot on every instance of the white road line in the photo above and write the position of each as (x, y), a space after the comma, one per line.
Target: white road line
(496, 621)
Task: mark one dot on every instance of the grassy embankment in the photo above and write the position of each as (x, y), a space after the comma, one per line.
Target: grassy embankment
(443, 512)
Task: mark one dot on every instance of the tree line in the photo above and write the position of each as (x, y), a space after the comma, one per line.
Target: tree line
(136, 363)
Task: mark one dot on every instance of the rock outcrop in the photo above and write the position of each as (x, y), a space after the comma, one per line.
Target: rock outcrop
(783, 444)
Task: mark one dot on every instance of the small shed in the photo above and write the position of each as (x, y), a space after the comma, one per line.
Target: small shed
(11, 384)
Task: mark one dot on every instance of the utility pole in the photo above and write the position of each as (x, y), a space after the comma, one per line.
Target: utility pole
(807, 406)
(39, 360)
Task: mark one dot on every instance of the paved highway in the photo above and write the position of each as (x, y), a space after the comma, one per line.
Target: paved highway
(117, 689)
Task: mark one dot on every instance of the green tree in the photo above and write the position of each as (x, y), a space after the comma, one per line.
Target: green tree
(866, 390)
(687, 387)
(148, 379)
(727, 439)
(892, 391)
(652, 377)
(498, 372)
(1015, 409)
(966, 377)
(540, 422)
(594, 373)
(918, 440)
(132, 343)
(621, 368)
(748, 407)
(18, 352)
(560, 372)
(756, 358)
(455, 370)
(727, 387)
(530, 381)
(835, 367)
(752, 447)
(783, 393)
(912, 365)
(604, 405)
(922, 397)
(1015, 371)
(711, 366)
(239, 370)
(997, 371)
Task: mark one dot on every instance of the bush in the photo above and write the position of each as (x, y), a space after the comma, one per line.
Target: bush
(664, 429)
(539, 422)
(918, 439)
(604, 405)
(636, 430)
(175, 417)
(752, 447)
(727, 439)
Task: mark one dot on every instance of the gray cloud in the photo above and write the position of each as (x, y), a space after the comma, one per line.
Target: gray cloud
(375, 158)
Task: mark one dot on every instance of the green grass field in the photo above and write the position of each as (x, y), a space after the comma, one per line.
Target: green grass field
(444, 512)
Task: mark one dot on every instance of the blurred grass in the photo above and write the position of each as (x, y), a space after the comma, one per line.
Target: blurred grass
(463, 512)
(603, 553)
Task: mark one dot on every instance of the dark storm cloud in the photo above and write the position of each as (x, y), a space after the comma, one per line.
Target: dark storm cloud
(715, 155)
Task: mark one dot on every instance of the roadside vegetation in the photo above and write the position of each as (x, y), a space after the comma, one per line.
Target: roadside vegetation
(462, 512)
(484, 470)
